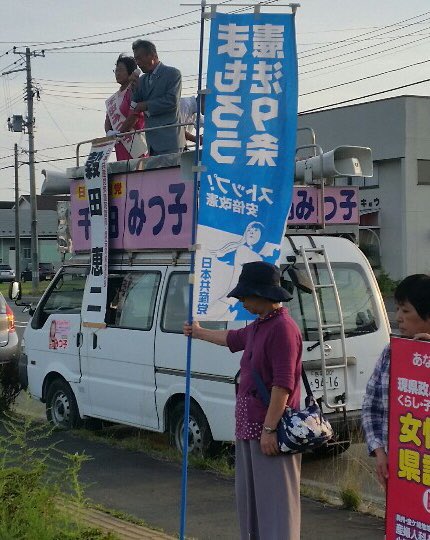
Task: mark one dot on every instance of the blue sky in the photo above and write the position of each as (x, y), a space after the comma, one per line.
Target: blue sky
(338, 41)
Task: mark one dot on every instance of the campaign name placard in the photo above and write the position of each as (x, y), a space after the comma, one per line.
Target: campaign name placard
(340, 206)
(147, 210)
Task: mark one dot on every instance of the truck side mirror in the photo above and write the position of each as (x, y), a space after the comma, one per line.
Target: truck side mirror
(15, 290)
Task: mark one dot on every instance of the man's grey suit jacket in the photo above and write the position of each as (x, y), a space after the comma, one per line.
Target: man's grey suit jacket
(161, 93)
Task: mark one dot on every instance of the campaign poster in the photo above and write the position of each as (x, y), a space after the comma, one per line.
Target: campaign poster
(248, 155)
(408, 488)
(96, 183)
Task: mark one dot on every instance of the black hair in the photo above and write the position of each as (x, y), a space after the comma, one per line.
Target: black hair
(415, 289)
(128, 61)
(147, 46)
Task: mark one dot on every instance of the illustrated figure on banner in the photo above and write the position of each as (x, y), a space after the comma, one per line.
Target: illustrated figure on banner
(249, 248)
(117, 109)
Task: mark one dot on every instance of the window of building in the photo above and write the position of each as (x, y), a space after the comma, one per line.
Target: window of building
(26, 253)
(423, 173)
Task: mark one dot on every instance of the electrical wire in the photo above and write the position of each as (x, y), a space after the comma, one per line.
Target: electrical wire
(364, 78)
(342, 42)
(362, 49)
(54, 121)
(162, 30)
(366, 56)
(386, 91)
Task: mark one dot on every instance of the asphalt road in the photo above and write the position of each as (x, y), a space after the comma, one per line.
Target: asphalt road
(150, 489)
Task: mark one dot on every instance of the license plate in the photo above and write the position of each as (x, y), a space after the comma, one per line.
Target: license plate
(334, 379)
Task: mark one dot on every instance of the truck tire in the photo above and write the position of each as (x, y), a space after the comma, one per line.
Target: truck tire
(61, 407)
(199, 433)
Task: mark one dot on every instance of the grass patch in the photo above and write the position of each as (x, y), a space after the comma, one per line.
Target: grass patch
(33, 475)
(351, 499)
(27, 289)
(157, 446)
(9, 386)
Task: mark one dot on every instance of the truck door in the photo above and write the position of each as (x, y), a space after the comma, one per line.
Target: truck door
(53, 337)
(213, 369)
(118, 363)
(365, 331)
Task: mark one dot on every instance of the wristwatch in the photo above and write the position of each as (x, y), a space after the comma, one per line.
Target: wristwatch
(268, 429)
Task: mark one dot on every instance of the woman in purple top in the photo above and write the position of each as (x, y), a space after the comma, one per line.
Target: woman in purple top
(267, 484)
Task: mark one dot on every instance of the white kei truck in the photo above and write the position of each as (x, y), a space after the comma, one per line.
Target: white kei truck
(133, 371)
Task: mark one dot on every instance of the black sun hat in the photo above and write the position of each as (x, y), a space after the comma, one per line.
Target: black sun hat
(260, 279)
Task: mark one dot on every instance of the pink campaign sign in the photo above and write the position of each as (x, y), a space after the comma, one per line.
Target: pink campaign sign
(340, 206)
(147, 210)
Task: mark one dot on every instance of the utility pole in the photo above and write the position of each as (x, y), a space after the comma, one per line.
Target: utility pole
(17, 238)
(33, 199)
(30, 129)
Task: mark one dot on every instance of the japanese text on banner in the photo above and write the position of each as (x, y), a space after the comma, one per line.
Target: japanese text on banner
(96, 182)
(248, 154)
(409, 441)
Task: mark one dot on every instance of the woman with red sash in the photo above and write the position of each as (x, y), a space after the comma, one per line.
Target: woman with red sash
(117, 108)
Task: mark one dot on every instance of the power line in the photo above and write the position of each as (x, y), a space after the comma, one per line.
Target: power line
(55, 122)
(365, 56)
(168, 29)
(362, 49)
(364, 78)
(316, 109)
(378, 29)
(67, 103)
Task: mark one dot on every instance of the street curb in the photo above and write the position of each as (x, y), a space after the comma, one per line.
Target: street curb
(123, 529)
(370, 504)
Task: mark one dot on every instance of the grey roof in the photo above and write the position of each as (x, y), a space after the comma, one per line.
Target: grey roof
(45, 202)
(47, 222)
(7, 204)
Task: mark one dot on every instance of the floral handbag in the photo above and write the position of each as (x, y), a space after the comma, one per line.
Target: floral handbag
(299, 430)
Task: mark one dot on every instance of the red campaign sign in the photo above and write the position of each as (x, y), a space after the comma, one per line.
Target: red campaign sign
(408, 489)
(340, 206)
(147, 210)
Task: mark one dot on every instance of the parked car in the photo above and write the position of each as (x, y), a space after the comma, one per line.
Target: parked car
(6, 273)
(46, 272)
(8, 337)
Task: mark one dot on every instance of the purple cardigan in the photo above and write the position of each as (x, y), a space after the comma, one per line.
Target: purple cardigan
(272, 345)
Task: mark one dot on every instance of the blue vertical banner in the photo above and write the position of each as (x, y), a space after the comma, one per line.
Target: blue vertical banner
(248, 154)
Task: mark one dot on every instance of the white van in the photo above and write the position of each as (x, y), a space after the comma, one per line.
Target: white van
(132, 371)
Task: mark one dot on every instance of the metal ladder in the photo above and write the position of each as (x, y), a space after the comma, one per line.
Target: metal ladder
(323, 327)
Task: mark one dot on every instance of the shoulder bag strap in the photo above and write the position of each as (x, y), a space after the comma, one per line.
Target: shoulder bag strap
(306, 384)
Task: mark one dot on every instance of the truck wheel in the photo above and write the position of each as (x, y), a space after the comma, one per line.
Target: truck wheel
(199, 433)
(61, 407)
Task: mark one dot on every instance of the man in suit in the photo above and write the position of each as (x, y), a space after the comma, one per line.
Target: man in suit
(157, 93)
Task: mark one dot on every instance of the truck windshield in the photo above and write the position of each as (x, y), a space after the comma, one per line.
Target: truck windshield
(356, 299)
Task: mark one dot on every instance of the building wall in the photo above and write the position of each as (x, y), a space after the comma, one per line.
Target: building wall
(398, 132)
(392, 227)
(417, 196)
(48, 252)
